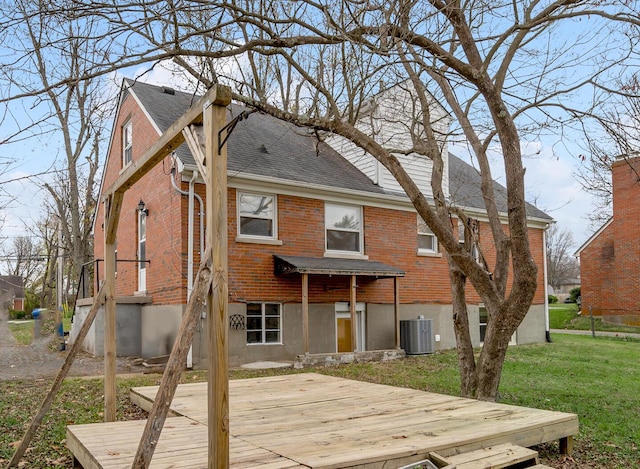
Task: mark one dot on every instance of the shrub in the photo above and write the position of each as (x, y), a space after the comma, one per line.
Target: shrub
(16, 315)
(552, 299)
(574, 293)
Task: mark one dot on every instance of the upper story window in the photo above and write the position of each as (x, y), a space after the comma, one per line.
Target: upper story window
(127, 143)
(343, 227)
(427, 241)
(256, 215)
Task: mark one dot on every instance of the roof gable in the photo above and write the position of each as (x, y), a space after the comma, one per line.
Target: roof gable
(264, 146)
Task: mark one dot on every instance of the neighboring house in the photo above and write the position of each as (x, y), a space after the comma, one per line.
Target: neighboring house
(563, 288)
(610, 258)
(297, 209)
(12, 292)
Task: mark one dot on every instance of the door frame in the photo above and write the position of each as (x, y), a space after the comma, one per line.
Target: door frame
(343, 311)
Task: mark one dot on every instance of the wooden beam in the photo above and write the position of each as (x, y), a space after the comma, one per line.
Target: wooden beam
(218, 379)
(57, 383)
(217, 96)
(566, 445)
(352, 310)
(194, 136)
(110, 332)
(305, 313)
(175, 365)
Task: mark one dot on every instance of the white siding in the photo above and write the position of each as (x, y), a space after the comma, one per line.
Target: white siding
(389, 122)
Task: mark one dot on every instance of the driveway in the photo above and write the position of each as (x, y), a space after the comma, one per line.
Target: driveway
(38, 361)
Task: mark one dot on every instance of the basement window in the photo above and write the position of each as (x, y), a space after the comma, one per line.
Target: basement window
(264, 323)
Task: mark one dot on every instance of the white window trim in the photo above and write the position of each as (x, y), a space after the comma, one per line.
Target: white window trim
(338, 253)
(427, 252)
(514, 337)
(141, 264)
(256, 239)
(126, 125)
(263, 330)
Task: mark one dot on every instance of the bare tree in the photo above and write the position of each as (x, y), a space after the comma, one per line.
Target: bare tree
(616, 136)
(561, 265)
(75, 114)
(22, 257)
(504, 71)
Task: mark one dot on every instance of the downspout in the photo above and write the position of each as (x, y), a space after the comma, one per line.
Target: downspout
(190, 248)
(546, 285)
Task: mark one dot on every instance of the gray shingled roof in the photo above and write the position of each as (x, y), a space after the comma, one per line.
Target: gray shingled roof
(262, 145)
(285, 265)
(265, 146)
(464, 189)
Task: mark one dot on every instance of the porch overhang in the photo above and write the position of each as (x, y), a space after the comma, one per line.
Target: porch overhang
(287, 265)
(306, 266)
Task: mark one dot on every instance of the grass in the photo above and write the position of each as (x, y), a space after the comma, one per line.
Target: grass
(566, 316)
(23, 331)
(598, 379)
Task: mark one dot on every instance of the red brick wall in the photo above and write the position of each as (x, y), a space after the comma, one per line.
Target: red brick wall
(609, 265)
(597, 272)
(390, 237)
(165, 282)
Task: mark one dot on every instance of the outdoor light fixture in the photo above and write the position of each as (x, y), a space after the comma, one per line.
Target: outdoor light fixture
(141, 208)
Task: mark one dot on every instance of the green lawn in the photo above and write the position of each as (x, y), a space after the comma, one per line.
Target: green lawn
(23, 331)
(565, 316)
(598, 379)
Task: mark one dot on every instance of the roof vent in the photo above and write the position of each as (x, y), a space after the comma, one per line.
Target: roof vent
(167, 90)
(263, 149)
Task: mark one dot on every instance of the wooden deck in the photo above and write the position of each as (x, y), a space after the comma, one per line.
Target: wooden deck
(316, 421)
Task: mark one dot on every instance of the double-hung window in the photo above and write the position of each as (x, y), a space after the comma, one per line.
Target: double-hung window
(256, 215)
(127, 143)
(427, 241)
(264, 323)
(343, 227)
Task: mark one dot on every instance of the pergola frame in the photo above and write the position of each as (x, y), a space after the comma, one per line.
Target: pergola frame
(211, 287)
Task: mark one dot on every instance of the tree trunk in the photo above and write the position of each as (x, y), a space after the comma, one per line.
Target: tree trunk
(466, 358)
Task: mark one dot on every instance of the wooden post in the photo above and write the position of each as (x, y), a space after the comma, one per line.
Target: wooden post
(352, 310)
(175, 365)
(55, 387)
(218, 381)
(396, 309)
(109, 315)
(305, 313)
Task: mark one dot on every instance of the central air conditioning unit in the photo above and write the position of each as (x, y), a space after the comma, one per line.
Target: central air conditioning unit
(416, 336)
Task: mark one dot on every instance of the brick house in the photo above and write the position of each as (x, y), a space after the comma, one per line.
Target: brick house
(610, 258)
(298, 207)
(12, 292)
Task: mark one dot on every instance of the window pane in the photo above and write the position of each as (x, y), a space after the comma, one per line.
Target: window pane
(256, 206)
(272, 309)
(343, 241)
(427, 243)
(142, 253)
(254, 322)
(272, 337)
(254, 337)
(342, 217)
(254, 309)
(256, 227)
(272, 323)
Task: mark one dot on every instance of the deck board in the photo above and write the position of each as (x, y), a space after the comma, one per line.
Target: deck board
(325, 422)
